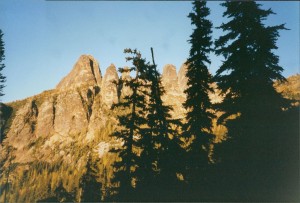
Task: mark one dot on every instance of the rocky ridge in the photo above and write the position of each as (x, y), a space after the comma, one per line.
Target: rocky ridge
(290, 88)
(74, 108)
(54, 132)
(85, 72)
(79, 107)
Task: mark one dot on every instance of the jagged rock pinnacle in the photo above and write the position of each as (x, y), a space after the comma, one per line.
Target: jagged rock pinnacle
(182, 79)
(85, 72)
(169, 78)
(109, 90)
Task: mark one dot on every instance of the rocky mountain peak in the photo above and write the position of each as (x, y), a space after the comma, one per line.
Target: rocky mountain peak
(126, 73)
(109, 90)
(174, 96)
(85, 72)
(124, 89)
(169, 72)
(111, 72)
(58, 128)
(182, 79)
(169, 78)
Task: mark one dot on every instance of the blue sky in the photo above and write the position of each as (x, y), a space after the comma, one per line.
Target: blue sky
(44, 39)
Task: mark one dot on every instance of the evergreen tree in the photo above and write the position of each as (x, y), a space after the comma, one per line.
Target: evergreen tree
(246, 81)
(133, 108)
(249, 60)
(91, 187)
(2, 66)
(159, 144)
(62, 195)
(199, 116)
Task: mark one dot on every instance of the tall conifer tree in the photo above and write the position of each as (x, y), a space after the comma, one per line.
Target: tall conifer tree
(91, 187)
(159, 144)
(250, 66)
(246, 81)
(130, 129)
(199, 117)
(2, 65)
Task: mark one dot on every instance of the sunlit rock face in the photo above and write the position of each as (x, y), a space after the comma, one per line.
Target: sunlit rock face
(174, 95)
(109, 88)
(22, 130)
(182, 79)
(170, 79)
(290, 88)
(78, 109)
(72, 110)
(124, 89)
(85, 72)
(175, 85)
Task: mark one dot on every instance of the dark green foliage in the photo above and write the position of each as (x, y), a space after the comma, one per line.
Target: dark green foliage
(160, 142)
(147, 169)
(130, 127)
(2, 65)
(250, 66)
(199, 117)
(5, 113)
(62, 195)
(252, 155)
(91, 188)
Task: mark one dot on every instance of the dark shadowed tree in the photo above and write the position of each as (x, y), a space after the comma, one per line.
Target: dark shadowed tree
(89, 182)
(2, 65)
(252, 108)
(131, 120)
(197, 128)
(159, 144)
(62, 194)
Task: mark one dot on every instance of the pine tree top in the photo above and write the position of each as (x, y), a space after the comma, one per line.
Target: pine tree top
(250, 67)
